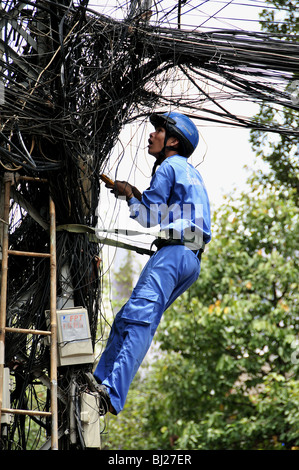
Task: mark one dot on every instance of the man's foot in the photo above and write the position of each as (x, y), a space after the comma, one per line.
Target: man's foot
(105, 403)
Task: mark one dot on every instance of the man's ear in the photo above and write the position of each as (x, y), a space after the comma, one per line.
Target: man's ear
(173, 142)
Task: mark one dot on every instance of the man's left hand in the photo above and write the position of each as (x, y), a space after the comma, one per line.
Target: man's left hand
(122, 188)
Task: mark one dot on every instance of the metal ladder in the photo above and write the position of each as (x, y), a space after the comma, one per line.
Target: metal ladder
(52, 333)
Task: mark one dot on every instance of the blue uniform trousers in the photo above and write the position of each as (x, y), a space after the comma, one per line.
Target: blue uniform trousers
(167, 274)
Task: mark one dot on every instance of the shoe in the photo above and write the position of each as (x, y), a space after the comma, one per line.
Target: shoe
(105, 403)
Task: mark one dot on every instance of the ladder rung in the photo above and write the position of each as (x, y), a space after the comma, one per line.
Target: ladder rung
(29, 253)
(27, 331)
(26, 412)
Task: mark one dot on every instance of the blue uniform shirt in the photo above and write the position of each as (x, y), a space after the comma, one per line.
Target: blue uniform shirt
(177, 200)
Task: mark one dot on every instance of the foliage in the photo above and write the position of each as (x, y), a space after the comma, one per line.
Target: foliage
(281, 150)
(226, 376)
(282, 19)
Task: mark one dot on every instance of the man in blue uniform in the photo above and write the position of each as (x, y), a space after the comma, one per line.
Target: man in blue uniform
(176, 200)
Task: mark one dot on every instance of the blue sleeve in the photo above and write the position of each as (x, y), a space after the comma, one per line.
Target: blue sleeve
(154, 200)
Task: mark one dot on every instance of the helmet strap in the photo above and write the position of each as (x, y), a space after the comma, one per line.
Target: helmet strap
(158, 161)
(161, 156)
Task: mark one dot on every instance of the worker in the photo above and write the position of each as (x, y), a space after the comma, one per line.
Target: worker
(176, 200)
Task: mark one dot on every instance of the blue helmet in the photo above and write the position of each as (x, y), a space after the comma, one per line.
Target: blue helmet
(180, 126)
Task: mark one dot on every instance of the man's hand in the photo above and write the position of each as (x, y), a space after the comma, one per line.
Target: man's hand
(121, 188)
(136, 193)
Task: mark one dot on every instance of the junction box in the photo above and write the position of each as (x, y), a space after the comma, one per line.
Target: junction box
(73, 337)
(90, 420)
(6, 417)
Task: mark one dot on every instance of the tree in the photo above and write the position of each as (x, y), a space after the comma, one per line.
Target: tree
(226, 378)
(281, 150)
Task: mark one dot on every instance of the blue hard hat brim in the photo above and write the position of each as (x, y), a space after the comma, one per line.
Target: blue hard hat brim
(161, 119)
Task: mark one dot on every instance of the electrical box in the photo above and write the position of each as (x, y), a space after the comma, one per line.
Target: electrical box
(90, 420)
(6, 417)
(73, 337)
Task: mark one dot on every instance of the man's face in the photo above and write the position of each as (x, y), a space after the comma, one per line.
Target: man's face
(156, 141)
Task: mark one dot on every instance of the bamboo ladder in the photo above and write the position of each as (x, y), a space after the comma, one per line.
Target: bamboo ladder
(52, 333)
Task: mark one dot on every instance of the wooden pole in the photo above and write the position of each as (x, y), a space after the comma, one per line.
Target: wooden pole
(3, 300)
(53, 318)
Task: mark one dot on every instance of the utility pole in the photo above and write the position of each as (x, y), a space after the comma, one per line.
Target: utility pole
(53, 312)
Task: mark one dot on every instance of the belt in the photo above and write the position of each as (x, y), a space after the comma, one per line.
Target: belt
(159, 243)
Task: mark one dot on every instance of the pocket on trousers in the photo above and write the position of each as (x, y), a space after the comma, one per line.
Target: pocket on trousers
(142, 307)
